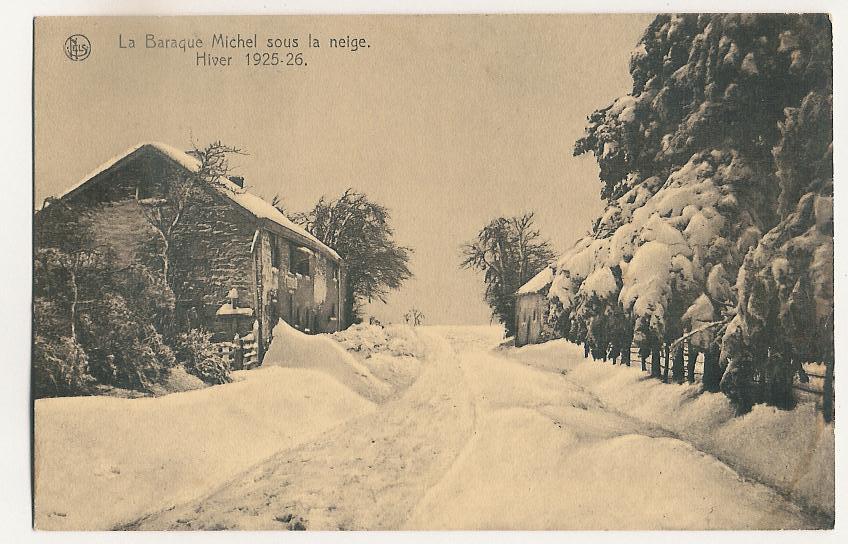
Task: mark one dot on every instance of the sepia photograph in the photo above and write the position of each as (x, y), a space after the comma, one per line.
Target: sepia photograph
(457, 272)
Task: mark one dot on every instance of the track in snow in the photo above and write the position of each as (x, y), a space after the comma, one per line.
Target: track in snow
(481, 441)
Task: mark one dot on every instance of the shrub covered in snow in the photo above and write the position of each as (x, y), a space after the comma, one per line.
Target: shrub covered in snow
(367, 340)
(198, 354)
(391, 353)
(716, 170)
(178, 380)
(59, 367)
(110, 319)
(125, 350)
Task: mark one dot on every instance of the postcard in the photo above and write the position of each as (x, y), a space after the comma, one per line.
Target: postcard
(433, 272)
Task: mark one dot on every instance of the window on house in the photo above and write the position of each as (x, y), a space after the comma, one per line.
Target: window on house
(148, 191)
(299, 258)
(275, 250)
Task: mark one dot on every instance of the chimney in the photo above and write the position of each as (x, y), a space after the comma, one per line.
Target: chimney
(238, 180)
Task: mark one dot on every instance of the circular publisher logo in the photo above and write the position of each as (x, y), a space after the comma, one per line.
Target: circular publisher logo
(77, 47)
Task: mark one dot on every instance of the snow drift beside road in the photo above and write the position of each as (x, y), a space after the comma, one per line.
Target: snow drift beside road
(104, 461)
(792, 451)
(387, 360)
(394, 339)
(291, 348)
(392, 353)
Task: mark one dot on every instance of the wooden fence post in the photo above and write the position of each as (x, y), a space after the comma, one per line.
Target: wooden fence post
(656, 361)
(827, 393)
(690, 363)
(238, 352)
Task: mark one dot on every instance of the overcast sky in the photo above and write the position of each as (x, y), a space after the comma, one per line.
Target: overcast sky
(449, 121)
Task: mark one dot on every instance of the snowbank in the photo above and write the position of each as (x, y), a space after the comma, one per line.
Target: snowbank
(396, 340)
(178, 381)
(546, 455)
(614, 481)
(293, 349)
(103, 461)
(792, 451)
(392, 353)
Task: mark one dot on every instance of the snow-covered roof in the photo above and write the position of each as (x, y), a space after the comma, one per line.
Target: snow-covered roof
(255, 205)
(537, 282)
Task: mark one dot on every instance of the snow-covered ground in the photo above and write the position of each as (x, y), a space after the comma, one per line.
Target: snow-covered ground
(104, 461)
(366, 474)
(431, 428)
(499, 439)
(791, 451)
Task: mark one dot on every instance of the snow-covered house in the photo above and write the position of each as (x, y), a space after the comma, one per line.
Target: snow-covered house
(531, 305)
(238, 264)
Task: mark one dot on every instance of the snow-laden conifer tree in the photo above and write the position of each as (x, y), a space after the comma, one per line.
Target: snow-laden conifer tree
(716, 171)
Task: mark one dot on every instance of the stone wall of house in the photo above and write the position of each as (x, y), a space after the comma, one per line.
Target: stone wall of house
(211, 253)
(307, 302)
(326, 294)
(268, 284)
(107, 211)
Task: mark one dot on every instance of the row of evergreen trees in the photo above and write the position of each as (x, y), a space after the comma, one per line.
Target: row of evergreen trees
(717, 175)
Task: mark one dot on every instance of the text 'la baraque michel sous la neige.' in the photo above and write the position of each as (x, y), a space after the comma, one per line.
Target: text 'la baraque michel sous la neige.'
(239, 41)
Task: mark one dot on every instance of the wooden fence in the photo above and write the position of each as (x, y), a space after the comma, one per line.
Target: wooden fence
(243, 351)
(813, 388)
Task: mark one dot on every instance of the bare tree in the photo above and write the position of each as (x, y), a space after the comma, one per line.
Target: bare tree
(165, 212)
(414, 317)
(74, 264)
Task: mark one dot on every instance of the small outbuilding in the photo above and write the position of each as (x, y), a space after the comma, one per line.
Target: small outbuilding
(531, 305)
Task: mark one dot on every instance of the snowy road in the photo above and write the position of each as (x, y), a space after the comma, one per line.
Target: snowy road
(485, 441)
